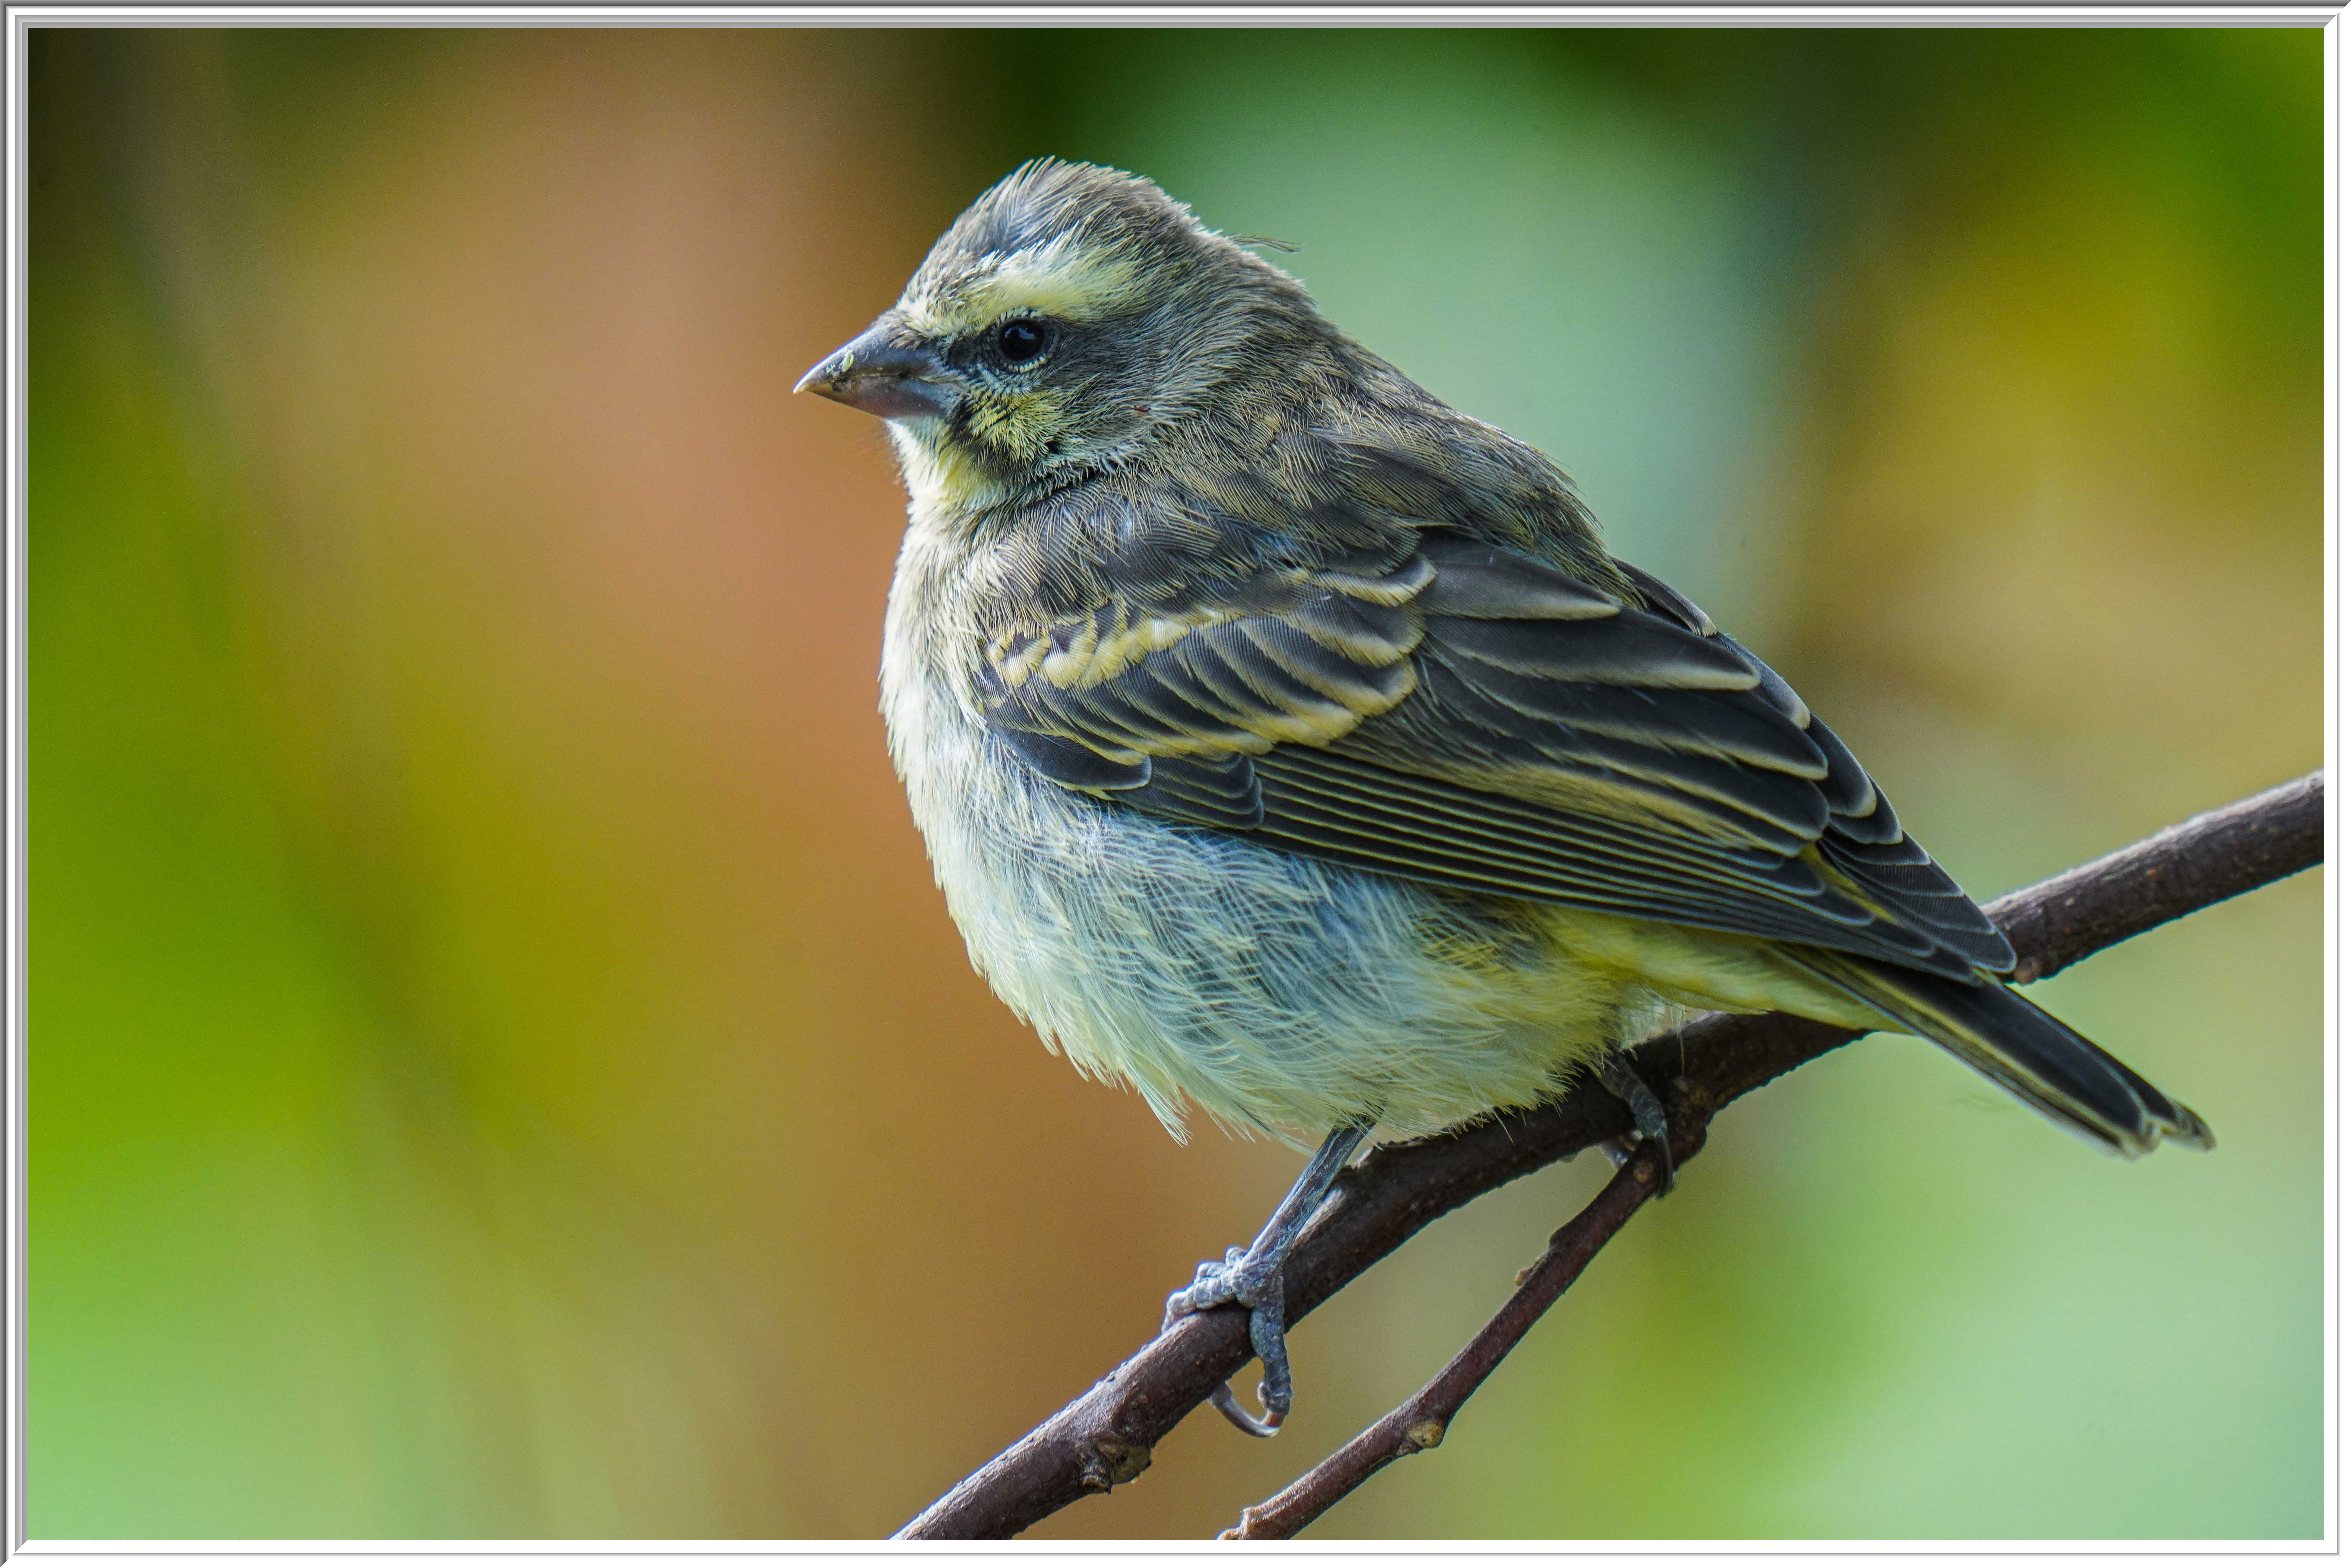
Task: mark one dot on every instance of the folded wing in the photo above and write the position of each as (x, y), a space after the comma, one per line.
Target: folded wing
(1467, 715)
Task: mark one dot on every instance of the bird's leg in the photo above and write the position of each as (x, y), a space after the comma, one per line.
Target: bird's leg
(1617, 1076)
(1253, 1278)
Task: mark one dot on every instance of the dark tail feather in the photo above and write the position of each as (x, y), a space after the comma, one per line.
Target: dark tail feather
(2024, 1050)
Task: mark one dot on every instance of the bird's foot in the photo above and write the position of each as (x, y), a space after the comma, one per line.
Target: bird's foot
(1617, 1076)
(1252, 1277)
(1241, 1279)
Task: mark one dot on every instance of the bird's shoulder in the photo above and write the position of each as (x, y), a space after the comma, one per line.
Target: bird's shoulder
(1337, 467)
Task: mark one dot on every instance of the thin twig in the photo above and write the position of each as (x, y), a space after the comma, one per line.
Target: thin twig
(1105, 1435)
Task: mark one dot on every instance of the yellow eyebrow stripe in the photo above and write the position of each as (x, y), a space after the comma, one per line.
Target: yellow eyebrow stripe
(1058, 279)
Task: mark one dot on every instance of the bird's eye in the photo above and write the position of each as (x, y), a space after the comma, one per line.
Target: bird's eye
(1020, 341)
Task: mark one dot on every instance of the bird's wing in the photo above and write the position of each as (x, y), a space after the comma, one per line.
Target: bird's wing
(1471, 717)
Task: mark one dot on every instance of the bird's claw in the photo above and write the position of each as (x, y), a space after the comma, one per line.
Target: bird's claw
(1620, 1150)
(1241, 1281)
(1230, 1282)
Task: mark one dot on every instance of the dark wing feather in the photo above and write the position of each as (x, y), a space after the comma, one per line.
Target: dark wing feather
(1472, 717)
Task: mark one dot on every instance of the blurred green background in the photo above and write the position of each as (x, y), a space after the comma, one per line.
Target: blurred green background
(500, 1066)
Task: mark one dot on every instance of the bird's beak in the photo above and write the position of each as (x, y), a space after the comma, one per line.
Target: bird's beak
(882, 373)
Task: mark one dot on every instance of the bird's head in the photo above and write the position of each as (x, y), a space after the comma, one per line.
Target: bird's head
(1067, 316)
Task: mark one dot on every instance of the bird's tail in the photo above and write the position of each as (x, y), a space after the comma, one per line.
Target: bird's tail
(2024, 1050)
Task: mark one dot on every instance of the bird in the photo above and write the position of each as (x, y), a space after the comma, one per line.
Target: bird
(1288, 745)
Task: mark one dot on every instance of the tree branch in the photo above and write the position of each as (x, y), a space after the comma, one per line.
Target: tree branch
(1105, 1435)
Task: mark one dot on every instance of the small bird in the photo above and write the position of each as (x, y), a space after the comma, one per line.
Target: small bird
(1287, 743)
